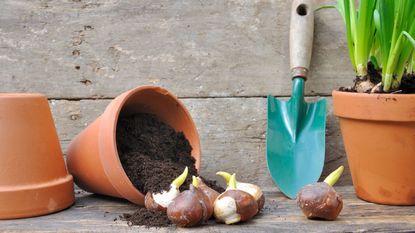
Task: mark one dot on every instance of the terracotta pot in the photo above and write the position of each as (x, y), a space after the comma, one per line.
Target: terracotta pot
(379, 136)
(93, 157)
(33, 177)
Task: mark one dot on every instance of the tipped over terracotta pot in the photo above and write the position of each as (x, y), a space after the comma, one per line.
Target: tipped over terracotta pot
(33, 177)
(379, 137)
(93, 157)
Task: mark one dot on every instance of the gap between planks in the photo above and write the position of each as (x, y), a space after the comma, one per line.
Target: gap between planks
(193, 97)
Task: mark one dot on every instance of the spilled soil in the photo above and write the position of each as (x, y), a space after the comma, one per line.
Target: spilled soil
(148, 218)
(153, 154)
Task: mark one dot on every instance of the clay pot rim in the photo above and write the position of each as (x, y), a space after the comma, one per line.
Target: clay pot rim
(22, 95)
(374, 107)
(34, 186)
(120, 181)
(373, 95)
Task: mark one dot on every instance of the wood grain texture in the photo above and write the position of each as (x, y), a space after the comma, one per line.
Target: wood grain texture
(232, 132)
(99, 48)
(93, 213)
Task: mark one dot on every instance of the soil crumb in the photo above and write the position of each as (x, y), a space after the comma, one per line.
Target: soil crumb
(147, 218)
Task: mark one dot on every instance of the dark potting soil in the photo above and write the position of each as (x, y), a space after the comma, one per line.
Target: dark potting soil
(154, 175)
(374, 75)
(148, 218)
(408, 84)
(152, 153)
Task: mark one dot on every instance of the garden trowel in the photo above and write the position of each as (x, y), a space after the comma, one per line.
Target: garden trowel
(296, 129)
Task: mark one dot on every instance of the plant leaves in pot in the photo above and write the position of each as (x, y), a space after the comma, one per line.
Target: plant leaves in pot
(93, 158)
(377, 114)
(33, 178)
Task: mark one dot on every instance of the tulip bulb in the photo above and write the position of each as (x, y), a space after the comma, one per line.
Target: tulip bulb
(160, 201)
(210, 193)
(252, 189)
(191, 208)
(320, 200)
(234, 205)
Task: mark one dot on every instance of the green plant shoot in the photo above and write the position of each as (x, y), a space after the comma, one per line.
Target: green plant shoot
(381, 31)
(395, 25)
(360, 30)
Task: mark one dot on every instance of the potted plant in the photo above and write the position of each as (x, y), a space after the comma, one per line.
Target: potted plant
(377, 114)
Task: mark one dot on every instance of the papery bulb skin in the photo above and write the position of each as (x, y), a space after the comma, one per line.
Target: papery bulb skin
(189, 208)
(320, 201)
(234, 206)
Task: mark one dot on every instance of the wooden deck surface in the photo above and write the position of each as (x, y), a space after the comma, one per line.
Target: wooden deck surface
(93, 213)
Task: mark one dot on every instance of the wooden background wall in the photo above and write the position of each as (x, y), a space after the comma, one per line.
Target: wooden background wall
(222, 58)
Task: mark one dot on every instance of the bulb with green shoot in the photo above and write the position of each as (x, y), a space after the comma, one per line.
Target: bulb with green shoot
(252, 189)
(320, 200)
(234, 205)
(191, 207)
(160, 201)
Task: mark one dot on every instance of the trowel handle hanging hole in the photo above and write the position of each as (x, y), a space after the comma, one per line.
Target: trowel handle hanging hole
(302, 10)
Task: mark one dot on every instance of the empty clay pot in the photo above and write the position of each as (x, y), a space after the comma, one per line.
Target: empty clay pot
(92, 156)
(33, 177)
(379, 137)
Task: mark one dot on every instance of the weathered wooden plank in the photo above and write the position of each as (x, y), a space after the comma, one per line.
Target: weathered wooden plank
(93, 213)
(100, 48)
(231, 129)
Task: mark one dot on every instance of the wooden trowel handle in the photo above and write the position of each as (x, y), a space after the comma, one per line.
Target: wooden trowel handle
(301, 37)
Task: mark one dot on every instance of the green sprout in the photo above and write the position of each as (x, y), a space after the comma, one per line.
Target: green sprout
(360, 31)
(411, 65)
(333, 177)
(180, 179)
(395, 25)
